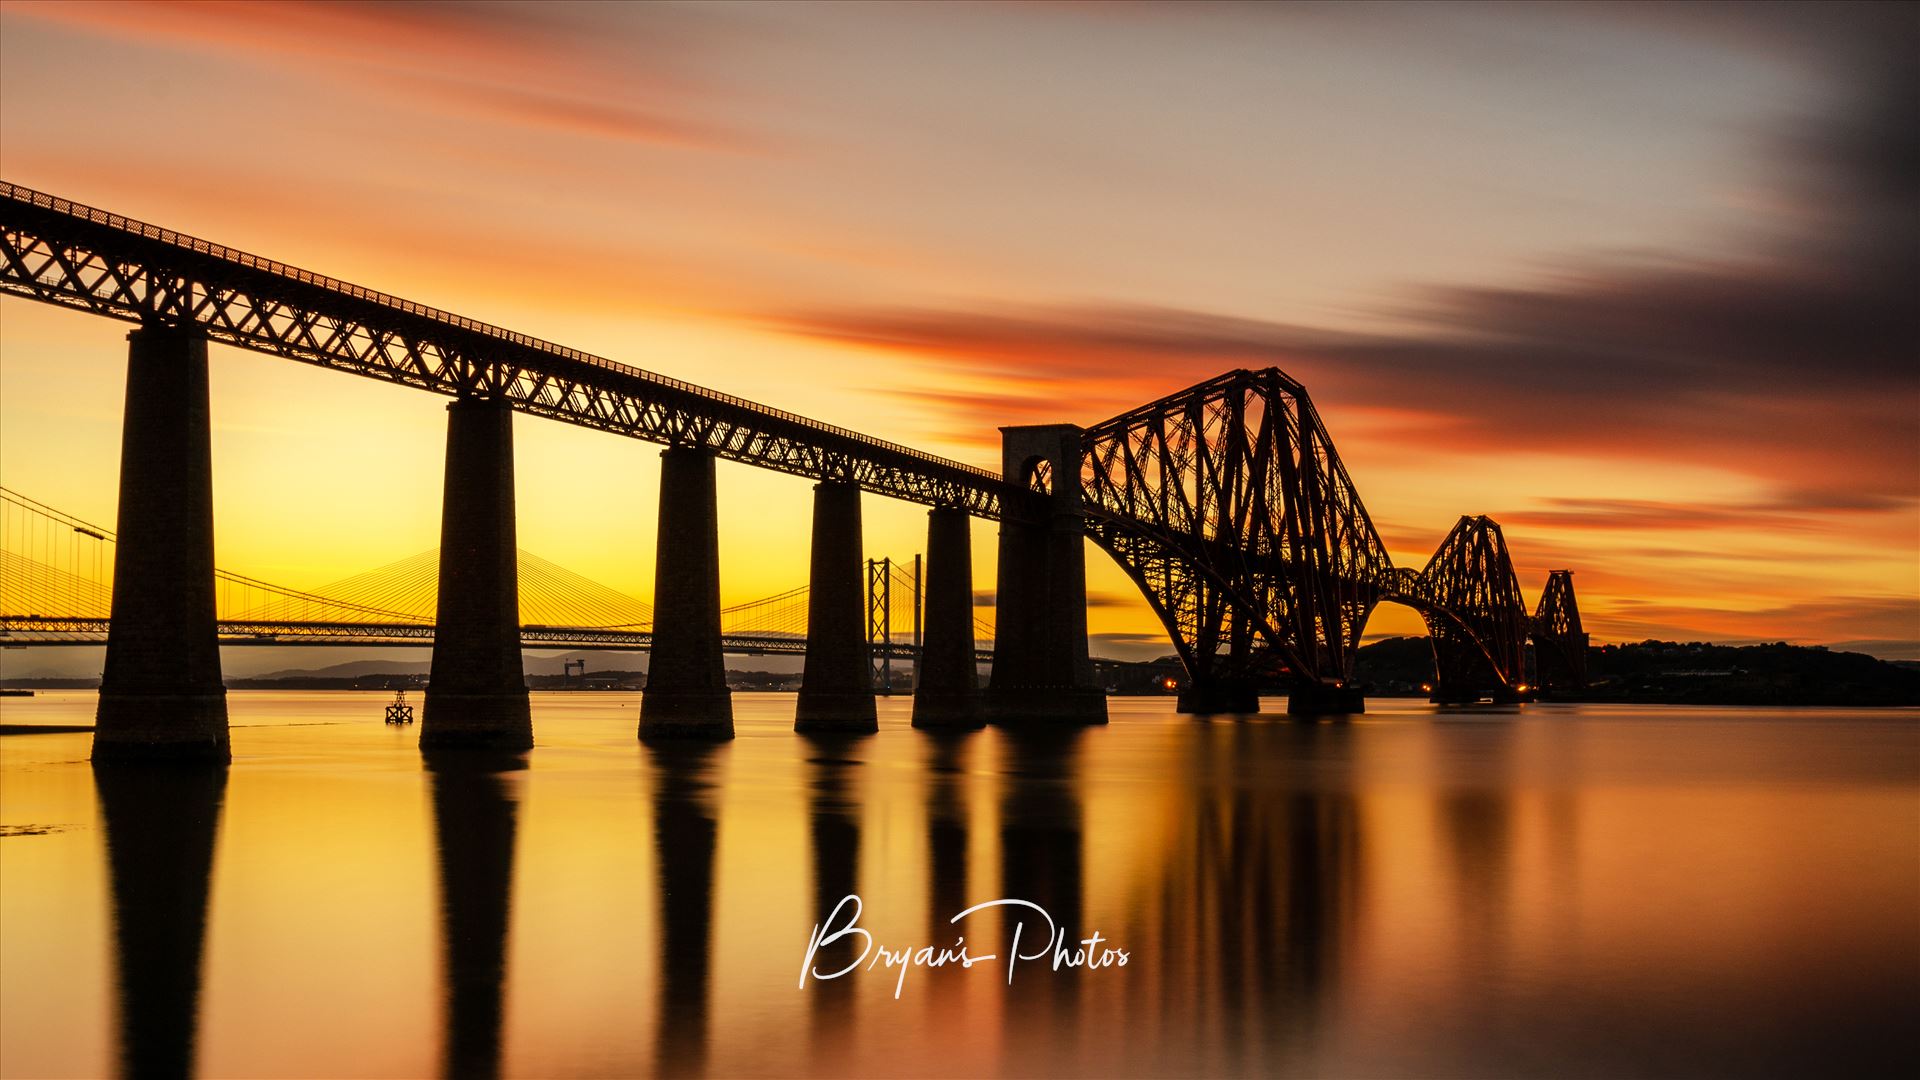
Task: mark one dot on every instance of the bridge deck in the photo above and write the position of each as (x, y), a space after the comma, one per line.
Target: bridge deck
(60, 252)
(38, 631)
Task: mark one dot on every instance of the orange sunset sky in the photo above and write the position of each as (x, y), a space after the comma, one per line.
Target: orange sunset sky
(1632, 279)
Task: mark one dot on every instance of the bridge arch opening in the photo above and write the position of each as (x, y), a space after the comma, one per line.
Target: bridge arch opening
(1461, 668)
(1036, 474)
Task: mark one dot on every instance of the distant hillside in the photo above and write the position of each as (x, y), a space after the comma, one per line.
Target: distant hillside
(1685, 673)
(1649, 671)
(348, 670)
(1394, 667)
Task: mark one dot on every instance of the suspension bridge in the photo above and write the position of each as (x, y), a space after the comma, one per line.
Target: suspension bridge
(1225, 503)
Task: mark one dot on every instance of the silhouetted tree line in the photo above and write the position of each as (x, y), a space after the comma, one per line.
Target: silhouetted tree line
(1696, 673)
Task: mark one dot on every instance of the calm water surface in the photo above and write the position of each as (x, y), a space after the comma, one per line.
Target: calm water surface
(1562, 890)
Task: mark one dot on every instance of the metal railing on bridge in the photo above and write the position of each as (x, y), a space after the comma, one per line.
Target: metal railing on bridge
(58, 251)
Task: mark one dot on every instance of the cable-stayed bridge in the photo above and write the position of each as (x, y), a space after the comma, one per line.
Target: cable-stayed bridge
(1225, 503)
(56, 589)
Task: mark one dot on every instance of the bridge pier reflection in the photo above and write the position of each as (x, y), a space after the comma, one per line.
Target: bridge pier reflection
(686, 832)
(836, 688)
(1254, 909)
(475, 818)
(944, 768)
(160, 692)
(1325, 699)
(1219, 694)
(946, 682)
(686, 693)
(833, 820)
(1042, 861)
(1042, 672)
(161, 821)
(477, 690)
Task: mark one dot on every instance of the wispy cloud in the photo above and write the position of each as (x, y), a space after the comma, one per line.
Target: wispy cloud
(1809, 622)
(1794, 511)
(541, 67)
(1793, 364)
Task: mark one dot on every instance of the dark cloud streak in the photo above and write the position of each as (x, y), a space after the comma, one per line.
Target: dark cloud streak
(1796, 365)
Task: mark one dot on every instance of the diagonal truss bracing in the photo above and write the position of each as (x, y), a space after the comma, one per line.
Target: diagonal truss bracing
(1560, 645)
(64, 253)
(1228, 506)
(1480, 632)
(1225, 503)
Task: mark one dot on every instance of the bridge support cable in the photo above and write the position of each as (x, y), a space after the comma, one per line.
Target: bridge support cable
(52, 564)
(1042, 672)
(946, 681)
(160, 693)
(836, 692)
(477, 692)
(687, 695)
(56, 589)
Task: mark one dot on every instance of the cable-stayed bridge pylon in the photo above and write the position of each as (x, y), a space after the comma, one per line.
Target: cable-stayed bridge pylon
(56, 589)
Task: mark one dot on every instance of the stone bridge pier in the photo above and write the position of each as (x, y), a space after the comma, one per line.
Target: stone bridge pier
(836, 686)
(946, 683)
(160, 693)
(477, 690)
(687, 695)
(1042, 672)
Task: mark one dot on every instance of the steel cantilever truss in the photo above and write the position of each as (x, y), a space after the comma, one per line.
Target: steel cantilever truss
(1227, 505)
(60, 252)
(1478, 624)
(1559, 645)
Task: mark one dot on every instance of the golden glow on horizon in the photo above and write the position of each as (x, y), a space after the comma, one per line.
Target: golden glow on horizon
(320, 476)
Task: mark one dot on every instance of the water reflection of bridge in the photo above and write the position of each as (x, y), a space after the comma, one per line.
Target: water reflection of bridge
(1240, 904)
